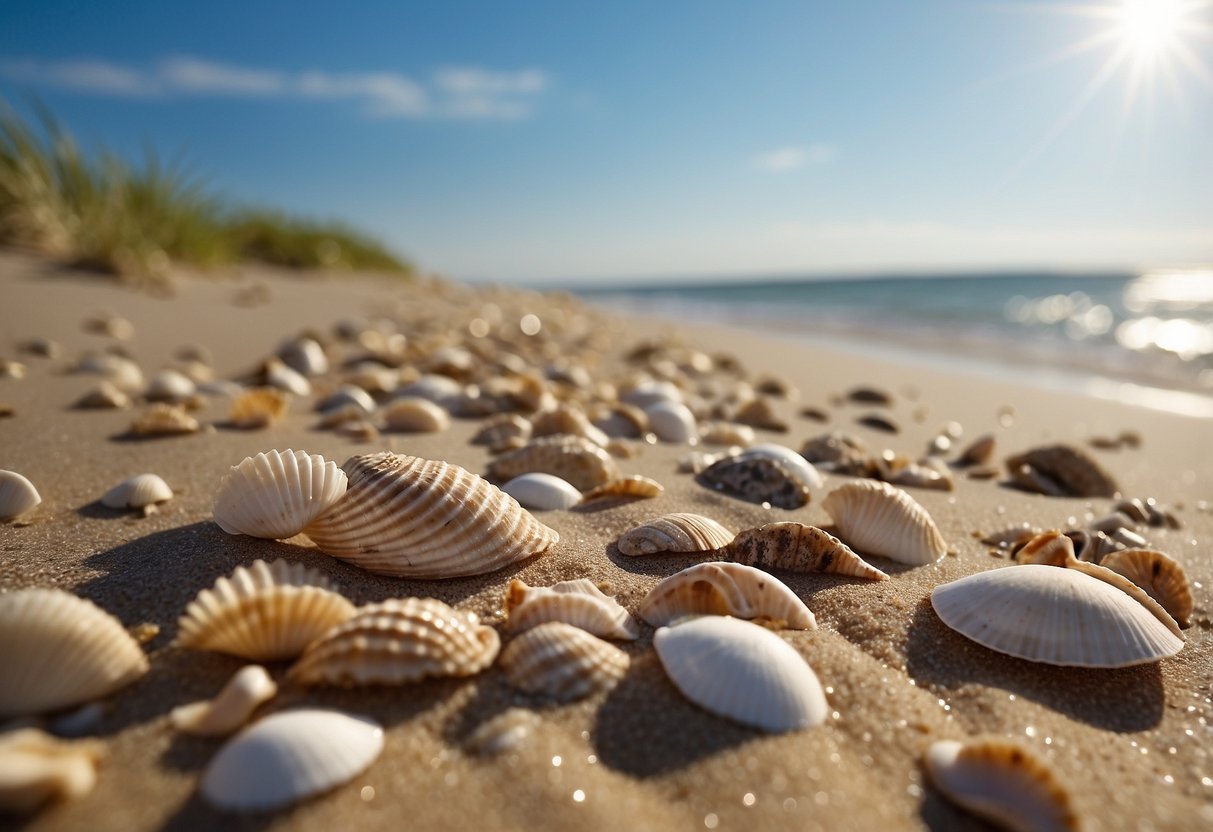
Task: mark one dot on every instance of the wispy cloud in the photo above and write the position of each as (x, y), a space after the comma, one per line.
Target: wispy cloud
(793, 157)
(449, 92)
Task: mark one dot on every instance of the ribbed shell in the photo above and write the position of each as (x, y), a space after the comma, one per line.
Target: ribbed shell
(877, 518)
(275, 494)
(542, 492)
(757, 479)
(258, 408)
(572, 458)
(17, 495)
(798, 548)
(797, 464)
(36, 768)
(1054, 616)
(678, 532)
(399, 641)
(742, 672)
(59, 650)
(263, 613)
(1074, 471)
(1162, 578)
(722, 588)
(250, 687)
(633, 487)
(578, 602)
(562, 661)
(1002, 782)
(139, 491)
(414, 414)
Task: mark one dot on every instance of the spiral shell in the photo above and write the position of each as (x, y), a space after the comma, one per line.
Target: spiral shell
(757, 479)
(578, 602)
(798, 548)
(1162, 578)
(877, 518)
(563, 662)
(725, 589)
(678, 532)
(275, 494)
(574, 459)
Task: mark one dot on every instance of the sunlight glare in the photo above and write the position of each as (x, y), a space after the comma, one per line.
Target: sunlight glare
(1150, 27)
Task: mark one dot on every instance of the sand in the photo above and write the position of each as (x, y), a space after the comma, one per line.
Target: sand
(1130, 743)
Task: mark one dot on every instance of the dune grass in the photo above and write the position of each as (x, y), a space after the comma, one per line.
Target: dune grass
(100, 212)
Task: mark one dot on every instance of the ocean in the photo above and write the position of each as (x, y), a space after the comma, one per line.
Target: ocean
(1141, 338)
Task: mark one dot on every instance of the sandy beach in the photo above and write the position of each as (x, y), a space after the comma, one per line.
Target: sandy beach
(1131, 744)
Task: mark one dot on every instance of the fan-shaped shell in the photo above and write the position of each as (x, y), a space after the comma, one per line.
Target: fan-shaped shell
(542, 492)
(250, 687)
(164, 420)
(36, 768)
(757, 479)
(1070, 469)
(742, 672)
(414, 414)
(17, 495)
(877, 518)
(672, 421)
(258, 408)
(1055, 616)
(399, 641)
(1002, 782)
(289, 757)
(263, 613)
(798, 548)
(572, 458)
(578, 602)
(140, 491)
(634, 487)
(1162, 578)
(59, 651)
(793, 461)
(678, 532)
(419, 518)
(563, 662)
(726, 589)
(275, 494)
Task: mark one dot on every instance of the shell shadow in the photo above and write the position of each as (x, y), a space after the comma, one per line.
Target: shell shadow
(196, 813)
(1124, 700)
(493, 696)
(662, 564)
(97, 511)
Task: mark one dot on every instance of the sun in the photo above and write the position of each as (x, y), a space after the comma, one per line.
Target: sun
(1150, 28)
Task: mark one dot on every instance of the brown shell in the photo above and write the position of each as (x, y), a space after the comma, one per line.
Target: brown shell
(578, 602)
(574, 459)
(634, 487)
(1074, 472)
(836, 451)
(722, 588)
(1051, 548)
(798, 548)
(756, 479)
(678, 532)
(563, 662)
(978, 452)
(164, 420)
(413, 414)
(258, 408)
(760, 413)
(1162, 578)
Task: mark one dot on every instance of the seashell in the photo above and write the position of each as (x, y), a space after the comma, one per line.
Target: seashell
(542, 492)
(1071, 470)
(1112, 523)
(411, 517)
(111, 326)
(793, 461)
(273, 495)
(289, 757)
(118, 370)
(263, 613)
(282, 377)
(726, 433)
(757, 479)
(441, 390)
(572, 458)
(798, 548)
(346, 395)
(725, 589)
(36, 768)
(59, 651)
(17, 495)
(1162, 578)
(398, 641)
(165, 420)
(568, 420)
(678, 532)
(622, 421)
(1134, 509)
(1011, 536)
(502, 427)
(879, 422)
(338, 417)
(1051, 548)
(504, 732)
(870, 395)
(249, 688)
(372, 377)
(360, 430)
(979, 452)
(648, 393)
(672, 422)
(41, 347)
(760, 413)
(413, 414)
(1125, 539)
(1159, 516)
(939, 445)
(1092, 546)
(578, 602)
(815, 414)
(1054, 616)
(563, 662)
(742, 672)
(634, 487)
(878, 519)
(140, 491)
(11, 369)
(836, 452)
(931, 473)
(105, 396)
(305, 356)
(455, 362)
(169, 386)
(220, 387)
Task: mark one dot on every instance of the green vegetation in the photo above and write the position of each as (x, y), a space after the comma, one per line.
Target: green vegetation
(100, 212)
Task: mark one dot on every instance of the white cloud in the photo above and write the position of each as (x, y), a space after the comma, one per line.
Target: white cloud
(194, 75)
(386, 94)
(793, 157)
(86, 75)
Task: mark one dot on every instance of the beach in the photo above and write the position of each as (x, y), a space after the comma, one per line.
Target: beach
(1130, 744)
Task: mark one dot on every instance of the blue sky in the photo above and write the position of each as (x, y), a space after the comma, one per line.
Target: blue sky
(545, 142)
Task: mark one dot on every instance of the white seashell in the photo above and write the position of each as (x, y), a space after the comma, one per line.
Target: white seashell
(117, 370)
(678, 532)
(59, 651)
(578, 602)
(742, 672)
(263, 613)
(726, 589)
(250, 687)
(414, 414)
(563, 662)
(284, 378)
(274, 494)
(441, 390)
(672, 422)
(1055, 616)
(169, 386)
(542, 492)
(1003, 783)
(796, 463)
(798, 548)
(220, 387)
(36, 768)
(348, 394)
(17, 495)
(877, 518)
(289, 757)
(258, 408)
(305, 356)
(648, 393)
(140, 491)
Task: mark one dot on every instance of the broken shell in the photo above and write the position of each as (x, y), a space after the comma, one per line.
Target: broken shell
(105, 396)
(398, 641)
(274, 494)
(757, 479)
(562, 661)
(249, 688)
(572, 458)
(672, 422)
(289, 757)
(742, 672)
(726, 589)
(877, 518)
(798, 548)
(1162, 578)
(726, 433)
(140, 491)
(17, 495)
(59, 651)
(505, 426)
(678, 532)
(284, 378)
(36, 768)
(635, 487)
(977, 453)
(413, 414)
(164, 420)
(1050, 548)
(578, 602)
(1073, 472)
(796, 463)
(258, 408)
(263, 613)
(542, 492)
(169, 386)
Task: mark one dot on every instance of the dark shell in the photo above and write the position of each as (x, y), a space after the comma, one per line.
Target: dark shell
(756, 480)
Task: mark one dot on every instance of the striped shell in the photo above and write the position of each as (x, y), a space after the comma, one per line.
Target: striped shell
(17, 495)
(417, 518)
(563, 662)
(398, 641)
(140, 491)
(59, 651)
(757, 479)
(721, 588)
(1072, 471)
(542, 492)
(258, 408)
(275, 494)
(635, 487)
(250, 687)
(36, 768)
(413, 414)
(798, 548)
(1162, 578)
(1054, 616)
(263, 613)
(678, 532)
(578, 602)
(879, 519)
(572, 458)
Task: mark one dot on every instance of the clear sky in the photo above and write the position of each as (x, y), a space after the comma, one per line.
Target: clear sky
(562, 141)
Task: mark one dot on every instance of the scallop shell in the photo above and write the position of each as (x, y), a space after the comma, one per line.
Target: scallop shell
(36, 768)
(263, 613)
(876, 518)
(59, 651)
(411, 517)
(258, 408)
(798, 548)
(796, 463)
(725, 589)
(757, 479)
(289, 757)
(413, 414)
(542, 492)
(742, 672)
(164, 420)
(1054, 616)
(578, 602)
(678, 532)
(1162, 578)
(506, 426)
(1073, 471)
(398, 641)
(274, 494)
(572, 458)
(249, 688)
(634, 487)
(140, 491)
(17, 495)
(1003, 783)
(169, 386)
(563, 662)
(672, 422)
